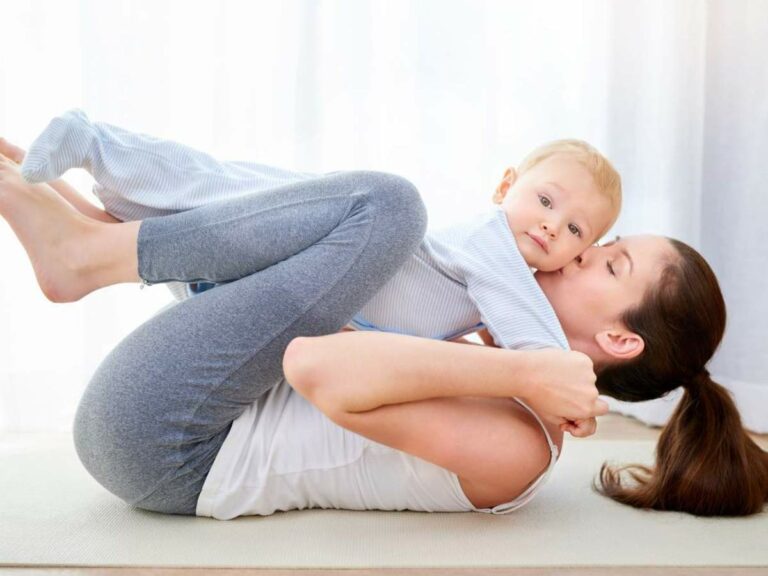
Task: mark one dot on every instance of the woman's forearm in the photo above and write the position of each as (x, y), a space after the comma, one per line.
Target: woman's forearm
(360, 371)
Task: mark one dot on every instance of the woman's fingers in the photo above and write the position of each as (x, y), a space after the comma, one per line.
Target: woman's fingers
(580, 428)
(565, 385)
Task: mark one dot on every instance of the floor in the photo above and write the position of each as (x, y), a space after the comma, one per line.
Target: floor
(611, 427)
(620, 571)
(639, 571)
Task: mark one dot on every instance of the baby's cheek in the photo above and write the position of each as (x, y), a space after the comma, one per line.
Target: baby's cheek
(553, 262)
(535, 259)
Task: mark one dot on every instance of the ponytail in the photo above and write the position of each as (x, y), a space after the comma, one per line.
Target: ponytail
(706, 463)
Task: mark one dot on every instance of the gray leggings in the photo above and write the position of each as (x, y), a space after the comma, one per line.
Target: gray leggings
(296, 260)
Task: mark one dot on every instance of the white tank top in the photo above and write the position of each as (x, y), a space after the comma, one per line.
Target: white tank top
(283, 453)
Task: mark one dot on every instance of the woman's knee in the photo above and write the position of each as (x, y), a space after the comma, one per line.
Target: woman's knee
(93, 437)
(400, 207)
(113, 441)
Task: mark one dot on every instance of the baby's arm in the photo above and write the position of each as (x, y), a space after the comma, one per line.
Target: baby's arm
(512, 306)
(484, 335)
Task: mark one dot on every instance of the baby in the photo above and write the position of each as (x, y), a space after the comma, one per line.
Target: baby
(474, 276)
(563, 198)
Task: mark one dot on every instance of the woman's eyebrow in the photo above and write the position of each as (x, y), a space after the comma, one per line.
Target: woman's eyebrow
(628, 257)
(624, 252)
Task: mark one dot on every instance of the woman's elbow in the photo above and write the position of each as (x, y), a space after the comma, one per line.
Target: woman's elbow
(306, 368)
(298, 365)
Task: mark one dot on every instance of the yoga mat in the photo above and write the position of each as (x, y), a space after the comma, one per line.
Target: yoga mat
(53, 513)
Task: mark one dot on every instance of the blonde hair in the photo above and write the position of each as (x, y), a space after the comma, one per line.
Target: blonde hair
(604, 174)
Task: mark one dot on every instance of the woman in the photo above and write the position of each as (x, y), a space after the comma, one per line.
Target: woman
(160, 407)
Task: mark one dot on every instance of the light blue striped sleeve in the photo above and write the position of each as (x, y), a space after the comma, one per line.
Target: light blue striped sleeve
(499, 282)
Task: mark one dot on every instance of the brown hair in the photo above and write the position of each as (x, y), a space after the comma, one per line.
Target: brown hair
(604, 174)
(706, 464)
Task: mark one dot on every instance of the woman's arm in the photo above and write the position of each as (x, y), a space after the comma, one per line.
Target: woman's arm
(361, 371)
(395, 389)
(424, 397)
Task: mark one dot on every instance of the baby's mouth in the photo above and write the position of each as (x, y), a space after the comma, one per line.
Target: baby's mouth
(540, 241)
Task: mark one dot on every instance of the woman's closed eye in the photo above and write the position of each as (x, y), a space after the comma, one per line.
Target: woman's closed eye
(609, 264)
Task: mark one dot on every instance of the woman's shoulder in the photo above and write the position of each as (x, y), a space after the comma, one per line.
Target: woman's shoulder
(536, 450)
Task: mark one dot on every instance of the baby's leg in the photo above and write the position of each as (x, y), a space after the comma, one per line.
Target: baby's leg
(140, 176)
(161, 404)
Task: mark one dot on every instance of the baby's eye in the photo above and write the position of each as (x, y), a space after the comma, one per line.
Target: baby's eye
(574, 230)
(546, 202)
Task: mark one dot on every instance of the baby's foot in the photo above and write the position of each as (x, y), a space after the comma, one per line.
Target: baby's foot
(64, 144)
(53, 234)
(11, 151)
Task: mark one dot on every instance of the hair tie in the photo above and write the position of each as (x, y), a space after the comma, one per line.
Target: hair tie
(700, 379)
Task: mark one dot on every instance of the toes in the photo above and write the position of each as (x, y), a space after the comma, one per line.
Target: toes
(11, 151)
(7, 164)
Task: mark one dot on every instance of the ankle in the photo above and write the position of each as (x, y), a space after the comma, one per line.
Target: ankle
(111, 253)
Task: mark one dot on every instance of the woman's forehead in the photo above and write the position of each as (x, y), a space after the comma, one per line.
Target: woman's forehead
(652, 242)
(645, 251)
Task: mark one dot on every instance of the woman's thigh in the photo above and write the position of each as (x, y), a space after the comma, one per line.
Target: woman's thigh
(160, 405)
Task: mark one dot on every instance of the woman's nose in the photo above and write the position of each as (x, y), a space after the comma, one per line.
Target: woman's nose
(587, 256)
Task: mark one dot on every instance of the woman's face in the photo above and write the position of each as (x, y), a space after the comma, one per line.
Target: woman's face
(590, 296)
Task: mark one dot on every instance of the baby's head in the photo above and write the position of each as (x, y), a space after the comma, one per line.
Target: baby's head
(562, 198)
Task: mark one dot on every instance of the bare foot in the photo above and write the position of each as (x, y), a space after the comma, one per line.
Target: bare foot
(58, 239)
(65, 190)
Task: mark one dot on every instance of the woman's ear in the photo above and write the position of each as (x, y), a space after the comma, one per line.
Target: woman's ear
(510, 176)
(620, 344)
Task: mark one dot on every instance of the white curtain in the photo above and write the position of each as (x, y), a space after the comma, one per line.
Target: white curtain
(446, 93)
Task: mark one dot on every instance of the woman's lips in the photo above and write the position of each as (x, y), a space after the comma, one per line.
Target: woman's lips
(539, 241)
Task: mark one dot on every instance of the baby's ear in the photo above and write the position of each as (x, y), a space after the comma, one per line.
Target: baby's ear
(510, 176)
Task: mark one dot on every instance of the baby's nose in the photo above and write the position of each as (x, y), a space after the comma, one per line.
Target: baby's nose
(550, 229)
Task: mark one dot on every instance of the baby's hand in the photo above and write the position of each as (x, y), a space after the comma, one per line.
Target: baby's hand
(486, 337)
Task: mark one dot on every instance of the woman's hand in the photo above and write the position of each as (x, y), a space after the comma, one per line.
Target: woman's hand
(580, 428)
(562, 390)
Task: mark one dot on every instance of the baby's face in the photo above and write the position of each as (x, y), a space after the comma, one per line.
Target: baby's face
(555, 211)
